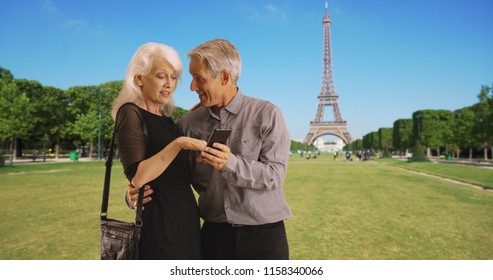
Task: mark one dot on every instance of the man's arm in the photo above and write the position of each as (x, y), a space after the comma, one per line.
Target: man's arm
(269, 170)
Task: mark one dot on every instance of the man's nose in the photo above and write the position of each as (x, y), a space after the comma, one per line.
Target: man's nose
(193, 86)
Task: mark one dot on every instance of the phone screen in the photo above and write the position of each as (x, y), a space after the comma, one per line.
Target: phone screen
(219, 135)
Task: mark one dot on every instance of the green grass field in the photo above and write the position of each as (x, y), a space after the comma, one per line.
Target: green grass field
(341, 210)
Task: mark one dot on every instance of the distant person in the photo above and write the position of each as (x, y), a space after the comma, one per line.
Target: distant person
(150, 146)
(359, 155)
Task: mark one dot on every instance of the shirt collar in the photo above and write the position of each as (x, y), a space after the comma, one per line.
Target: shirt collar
(234, 105)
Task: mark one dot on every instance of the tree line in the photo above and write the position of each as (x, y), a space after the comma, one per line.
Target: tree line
(45, 118)
(465, 131)
(48, 119)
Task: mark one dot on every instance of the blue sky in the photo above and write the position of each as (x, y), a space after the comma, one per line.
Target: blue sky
(390, 57)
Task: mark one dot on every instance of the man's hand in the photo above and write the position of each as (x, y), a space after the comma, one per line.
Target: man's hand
(133, 195)
(217, 156)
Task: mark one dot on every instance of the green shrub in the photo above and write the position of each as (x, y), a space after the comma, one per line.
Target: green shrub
(418, 153)
(386, 153)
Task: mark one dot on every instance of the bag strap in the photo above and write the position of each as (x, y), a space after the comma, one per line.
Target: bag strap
(106, 188)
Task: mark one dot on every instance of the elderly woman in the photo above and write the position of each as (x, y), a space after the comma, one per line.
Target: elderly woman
(153, 152)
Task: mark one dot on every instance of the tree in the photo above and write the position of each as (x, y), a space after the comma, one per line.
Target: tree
(370, 141)
(15, 115)
(418, 153)
(463, 129)
(403, 135)
(41, 111)
(356, 145)
(483, 127)
(433, 128)
(34, 92)
(5, 75)
(298, 146)
(178, 113)
(86, 127)
(108, 92)
(385, 138)
(83, 115)
(52, 113)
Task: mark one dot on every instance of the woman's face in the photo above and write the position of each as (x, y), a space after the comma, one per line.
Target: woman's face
(159, 84)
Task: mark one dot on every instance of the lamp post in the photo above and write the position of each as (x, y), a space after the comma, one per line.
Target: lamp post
(99, 126)
(418, 116)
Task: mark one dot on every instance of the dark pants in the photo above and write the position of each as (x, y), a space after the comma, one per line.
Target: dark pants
(223, 241)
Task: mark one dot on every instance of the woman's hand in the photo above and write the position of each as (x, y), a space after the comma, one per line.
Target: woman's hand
(188, 143)
(133, 194)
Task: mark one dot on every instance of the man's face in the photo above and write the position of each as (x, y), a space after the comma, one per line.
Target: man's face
(207, 87)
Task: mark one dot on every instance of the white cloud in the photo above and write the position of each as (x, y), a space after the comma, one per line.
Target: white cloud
(337, 11)
(271, 8)
(80, 25)
(77, 24)
(275, 12)
(49, 5)
(268, 12)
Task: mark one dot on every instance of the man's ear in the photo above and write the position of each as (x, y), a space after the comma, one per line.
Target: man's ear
(225, 77)
(138, 79)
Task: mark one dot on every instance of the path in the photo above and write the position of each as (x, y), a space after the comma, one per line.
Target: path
(468, 184)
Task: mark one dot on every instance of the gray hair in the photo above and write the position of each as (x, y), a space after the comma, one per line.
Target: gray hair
(218, 55)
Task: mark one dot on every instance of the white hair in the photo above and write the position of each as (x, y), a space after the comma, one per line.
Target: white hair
(141, 64)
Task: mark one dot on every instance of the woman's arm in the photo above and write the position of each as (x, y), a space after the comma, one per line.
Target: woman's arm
(152, 167)
(131, 143)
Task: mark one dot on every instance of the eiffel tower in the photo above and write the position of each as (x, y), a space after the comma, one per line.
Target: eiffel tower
(328, 97)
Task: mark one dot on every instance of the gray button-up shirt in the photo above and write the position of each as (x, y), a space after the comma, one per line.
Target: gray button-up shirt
(248, 189)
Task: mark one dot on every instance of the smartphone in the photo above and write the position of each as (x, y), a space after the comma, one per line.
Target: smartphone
(219, 135)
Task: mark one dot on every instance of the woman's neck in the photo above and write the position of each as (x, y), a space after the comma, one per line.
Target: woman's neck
(151, 107)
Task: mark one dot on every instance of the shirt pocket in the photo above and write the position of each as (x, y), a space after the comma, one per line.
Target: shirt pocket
(247, 144)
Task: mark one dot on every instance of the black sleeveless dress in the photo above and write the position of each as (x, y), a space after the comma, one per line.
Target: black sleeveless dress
(171, 225)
